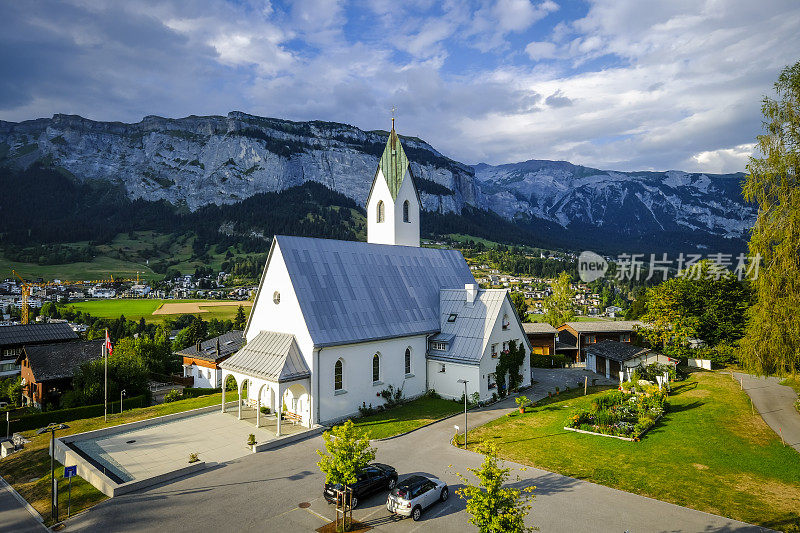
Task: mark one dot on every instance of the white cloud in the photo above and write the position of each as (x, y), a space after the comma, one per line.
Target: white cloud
(724, 159)
(541, 50)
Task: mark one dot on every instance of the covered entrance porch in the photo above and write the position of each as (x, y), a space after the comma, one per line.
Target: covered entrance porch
(273, 382)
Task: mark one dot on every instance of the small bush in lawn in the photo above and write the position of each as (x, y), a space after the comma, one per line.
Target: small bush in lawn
(173, 396)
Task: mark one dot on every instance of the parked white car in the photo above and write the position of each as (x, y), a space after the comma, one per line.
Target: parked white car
(415, 494)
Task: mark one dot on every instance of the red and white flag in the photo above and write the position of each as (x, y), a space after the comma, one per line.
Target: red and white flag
(109, 348)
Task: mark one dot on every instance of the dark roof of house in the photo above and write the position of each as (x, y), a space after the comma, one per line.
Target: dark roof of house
(227, 343)
(353, 292)
(60, 360)
(21, 334)
(604, 326)
(538, 328)
(618, 351)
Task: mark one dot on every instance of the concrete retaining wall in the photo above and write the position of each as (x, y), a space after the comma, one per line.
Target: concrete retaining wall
(67, 456)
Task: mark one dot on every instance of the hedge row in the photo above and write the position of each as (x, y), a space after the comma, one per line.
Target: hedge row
(192, 392)
(40, 420)
(548, 361)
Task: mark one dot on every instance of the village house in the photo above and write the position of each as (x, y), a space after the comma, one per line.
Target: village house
(574, 337)
(48, 369)
(14, 338)
(334, 323)
(542, 337)
(617, 360)
(202, 360)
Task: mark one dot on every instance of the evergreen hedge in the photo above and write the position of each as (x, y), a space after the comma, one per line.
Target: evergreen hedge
(40, 420)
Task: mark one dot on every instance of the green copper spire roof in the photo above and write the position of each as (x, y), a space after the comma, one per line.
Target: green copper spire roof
(393, 163)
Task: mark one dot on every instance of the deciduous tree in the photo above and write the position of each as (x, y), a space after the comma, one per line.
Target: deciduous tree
(558, 306)
(772, 339)
(492, 507)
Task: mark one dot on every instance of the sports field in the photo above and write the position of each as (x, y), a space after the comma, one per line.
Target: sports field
(157, 311)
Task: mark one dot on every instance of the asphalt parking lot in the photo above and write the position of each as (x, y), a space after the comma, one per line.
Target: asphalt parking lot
(268, 492)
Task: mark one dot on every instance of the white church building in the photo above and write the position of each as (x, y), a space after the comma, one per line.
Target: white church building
(336, 322)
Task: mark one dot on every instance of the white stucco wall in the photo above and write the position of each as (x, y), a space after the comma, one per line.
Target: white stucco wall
(201, 376)
(358, 386)
(498, 335)
(446, 383)
(284, 317)
(407, 233)
(393, 230)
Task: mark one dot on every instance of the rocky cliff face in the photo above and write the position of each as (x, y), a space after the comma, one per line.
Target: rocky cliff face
(221, 160)
(203, 160)
(627, 203)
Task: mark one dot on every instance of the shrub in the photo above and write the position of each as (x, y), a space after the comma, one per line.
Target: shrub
(433, 394)
(173, 396)
(393, 397)
(548, 361)
(193, 457)
(264, 410)
(251, 439)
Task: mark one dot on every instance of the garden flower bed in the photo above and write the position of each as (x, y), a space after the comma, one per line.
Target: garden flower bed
(620, 414)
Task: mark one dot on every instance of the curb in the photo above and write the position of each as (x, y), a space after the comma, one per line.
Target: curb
(34, 513)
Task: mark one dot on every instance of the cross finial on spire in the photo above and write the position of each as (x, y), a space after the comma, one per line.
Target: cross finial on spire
(394, 108)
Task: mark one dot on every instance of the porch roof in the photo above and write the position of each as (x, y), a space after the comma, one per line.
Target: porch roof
(271, 356)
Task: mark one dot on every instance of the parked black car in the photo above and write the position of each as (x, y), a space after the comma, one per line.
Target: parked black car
(374, 478)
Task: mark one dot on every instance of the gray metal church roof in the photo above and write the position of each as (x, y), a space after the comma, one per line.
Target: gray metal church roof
(271, 356)
(471, 327)
(356, 291)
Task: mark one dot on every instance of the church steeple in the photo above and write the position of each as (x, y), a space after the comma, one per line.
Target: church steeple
(393, 203)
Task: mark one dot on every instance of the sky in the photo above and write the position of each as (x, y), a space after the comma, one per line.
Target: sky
(617, 84)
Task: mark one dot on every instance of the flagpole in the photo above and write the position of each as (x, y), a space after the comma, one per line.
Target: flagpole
(105, 378)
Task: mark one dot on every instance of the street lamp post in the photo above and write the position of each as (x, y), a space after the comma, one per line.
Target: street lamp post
(121, 395)
(465, 381)
(52, 428)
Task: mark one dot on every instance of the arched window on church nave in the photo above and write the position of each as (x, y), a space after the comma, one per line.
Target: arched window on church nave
(376, 367)
(338, 375)
(381, 213)
(405, 212)
(408, 360)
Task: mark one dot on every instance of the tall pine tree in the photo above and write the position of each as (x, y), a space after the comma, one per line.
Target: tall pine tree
(772, 336)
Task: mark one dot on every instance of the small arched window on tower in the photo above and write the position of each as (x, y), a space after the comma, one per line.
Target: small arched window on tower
(408, 361)
(405, 212)
(376, 368)
(380, 211)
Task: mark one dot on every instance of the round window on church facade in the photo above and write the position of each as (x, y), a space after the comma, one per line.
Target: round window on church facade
(276, 297)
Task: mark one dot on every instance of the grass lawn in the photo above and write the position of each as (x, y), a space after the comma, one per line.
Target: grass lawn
(134, 309)
(408, 416)
(29, 469)
(793, 381)
(99, 268)
(708, 453)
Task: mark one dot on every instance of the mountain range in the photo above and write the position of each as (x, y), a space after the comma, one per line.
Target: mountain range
(197, 161)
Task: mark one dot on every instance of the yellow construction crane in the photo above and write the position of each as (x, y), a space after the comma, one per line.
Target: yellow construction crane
(26, 289)
(24, 303)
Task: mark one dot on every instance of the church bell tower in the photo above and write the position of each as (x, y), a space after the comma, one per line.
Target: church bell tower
(393, 203)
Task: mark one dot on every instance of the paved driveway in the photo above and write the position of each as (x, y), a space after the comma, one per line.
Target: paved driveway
(263, 492)
(775, 403)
